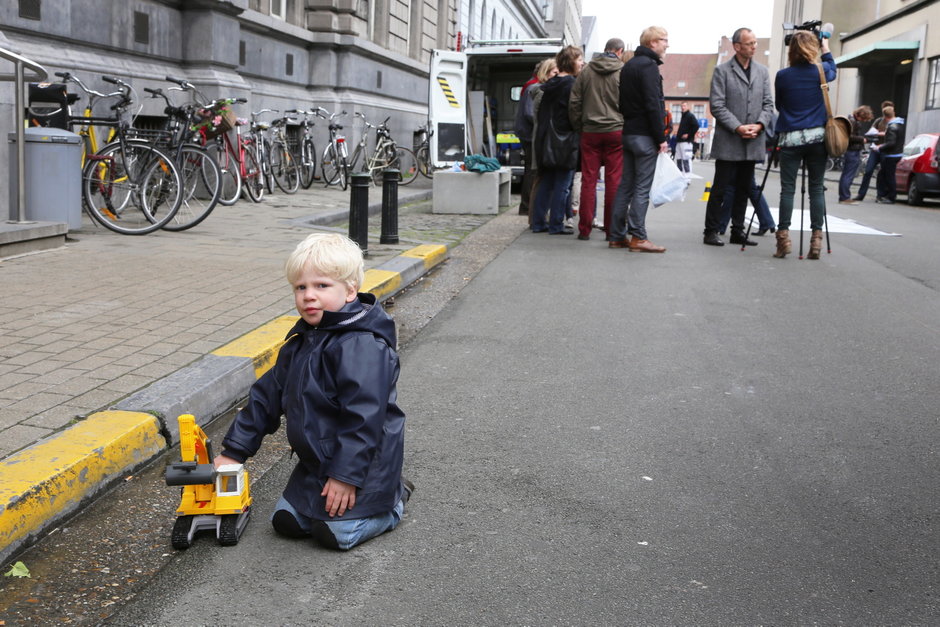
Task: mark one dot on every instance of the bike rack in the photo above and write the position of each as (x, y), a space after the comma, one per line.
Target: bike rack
(19, 78)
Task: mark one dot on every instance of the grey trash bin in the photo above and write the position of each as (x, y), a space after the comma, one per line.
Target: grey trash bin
(53, 176)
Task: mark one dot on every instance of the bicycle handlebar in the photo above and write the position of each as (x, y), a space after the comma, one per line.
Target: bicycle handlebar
(182, 83)
(68, 77)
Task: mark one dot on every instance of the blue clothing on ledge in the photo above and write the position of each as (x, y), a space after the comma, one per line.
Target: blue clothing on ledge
(799, 96)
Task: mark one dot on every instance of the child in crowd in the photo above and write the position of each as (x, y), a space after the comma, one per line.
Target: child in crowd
(335, 383)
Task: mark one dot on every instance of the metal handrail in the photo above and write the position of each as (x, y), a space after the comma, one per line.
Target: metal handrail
(19, 78)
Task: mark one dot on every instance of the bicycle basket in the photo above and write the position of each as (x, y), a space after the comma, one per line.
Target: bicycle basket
(215, 121)
(48, 105)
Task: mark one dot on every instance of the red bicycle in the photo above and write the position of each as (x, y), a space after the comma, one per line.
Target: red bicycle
(241, 171)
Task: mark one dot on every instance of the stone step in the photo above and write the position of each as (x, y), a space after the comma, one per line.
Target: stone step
(20, 238)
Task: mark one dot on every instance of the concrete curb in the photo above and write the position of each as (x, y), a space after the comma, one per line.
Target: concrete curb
(48, 481)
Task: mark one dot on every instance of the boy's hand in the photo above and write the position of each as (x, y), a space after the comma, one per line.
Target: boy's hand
(339, 497)
(221, 460)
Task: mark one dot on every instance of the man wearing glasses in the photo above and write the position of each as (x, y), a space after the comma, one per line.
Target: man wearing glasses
(742, 104)
(641, 103)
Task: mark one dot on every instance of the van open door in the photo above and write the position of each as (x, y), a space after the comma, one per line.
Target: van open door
(447, 107)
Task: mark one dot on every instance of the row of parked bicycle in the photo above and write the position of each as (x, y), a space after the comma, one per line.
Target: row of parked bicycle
(137, 180)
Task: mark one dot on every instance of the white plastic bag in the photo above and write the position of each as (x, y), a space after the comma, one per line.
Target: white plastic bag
(669, 183)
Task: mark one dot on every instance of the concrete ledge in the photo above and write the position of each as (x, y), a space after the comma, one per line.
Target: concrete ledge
(18, 238)
(471, 192)
(51, 479)
(46, 482)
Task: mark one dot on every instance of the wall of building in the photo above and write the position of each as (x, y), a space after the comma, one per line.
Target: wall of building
(368, 56)
(859, 26)
(501, 19)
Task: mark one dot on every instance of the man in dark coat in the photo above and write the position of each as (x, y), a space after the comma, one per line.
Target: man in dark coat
(688, 127)
(743, 106)
(642, 105)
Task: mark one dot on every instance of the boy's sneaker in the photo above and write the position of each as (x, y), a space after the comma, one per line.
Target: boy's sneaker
(323, 535)
(409, 488)
(285, 524)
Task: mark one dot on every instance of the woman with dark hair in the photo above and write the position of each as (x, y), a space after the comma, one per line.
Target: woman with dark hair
(556, 145)
(861, 122)
(800, 134)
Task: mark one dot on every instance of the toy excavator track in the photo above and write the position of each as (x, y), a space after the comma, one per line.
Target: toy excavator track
(180, 536)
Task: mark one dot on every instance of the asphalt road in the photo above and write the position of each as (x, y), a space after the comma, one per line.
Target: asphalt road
(704, 437)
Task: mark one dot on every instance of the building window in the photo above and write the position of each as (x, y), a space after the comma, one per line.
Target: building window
(699, 111)
(289, 69)
(141, 27)
(279, 9)
(31, 9)
(676, 112)
(933, 84)
(242, 54)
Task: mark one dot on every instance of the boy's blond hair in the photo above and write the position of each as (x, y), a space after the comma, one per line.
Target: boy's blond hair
(331, 254)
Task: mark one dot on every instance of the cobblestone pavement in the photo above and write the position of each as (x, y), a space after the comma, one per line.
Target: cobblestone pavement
(85, 325)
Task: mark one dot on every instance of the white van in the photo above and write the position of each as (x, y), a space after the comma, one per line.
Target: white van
(473, 97)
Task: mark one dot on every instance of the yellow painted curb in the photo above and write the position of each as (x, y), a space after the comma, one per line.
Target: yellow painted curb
(52, 477)
(431, 254)
(261, 345)
(381, 282)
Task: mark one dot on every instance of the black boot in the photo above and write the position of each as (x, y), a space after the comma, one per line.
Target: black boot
(711, 238)
(738, 237)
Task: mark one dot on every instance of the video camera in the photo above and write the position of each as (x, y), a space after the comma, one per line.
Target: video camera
(822, 31)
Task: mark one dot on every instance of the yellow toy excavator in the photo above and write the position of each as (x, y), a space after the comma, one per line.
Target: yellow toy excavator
(213, 498)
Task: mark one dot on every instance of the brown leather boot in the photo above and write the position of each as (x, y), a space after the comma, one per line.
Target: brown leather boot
(815, 244)
(783, 243)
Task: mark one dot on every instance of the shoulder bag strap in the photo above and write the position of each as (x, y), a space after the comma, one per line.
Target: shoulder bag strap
(825, 88)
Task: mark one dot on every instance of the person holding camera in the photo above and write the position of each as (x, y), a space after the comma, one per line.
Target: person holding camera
(800, 133)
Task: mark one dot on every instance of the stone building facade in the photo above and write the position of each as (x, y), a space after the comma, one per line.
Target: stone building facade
(366, 56)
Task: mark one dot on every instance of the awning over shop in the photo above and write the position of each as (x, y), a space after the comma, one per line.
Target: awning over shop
(881, 53)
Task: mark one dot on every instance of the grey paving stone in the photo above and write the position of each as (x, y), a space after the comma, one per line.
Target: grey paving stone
(20, 436)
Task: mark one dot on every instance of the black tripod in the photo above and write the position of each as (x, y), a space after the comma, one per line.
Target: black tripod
(802, 204)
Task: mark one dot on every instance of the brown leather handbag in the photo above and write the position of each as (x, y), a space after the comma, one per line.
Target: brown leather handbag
(838, 128)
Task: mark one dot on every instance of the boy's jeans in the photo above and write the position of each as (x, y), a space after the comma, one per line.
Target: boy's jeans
(349, 533)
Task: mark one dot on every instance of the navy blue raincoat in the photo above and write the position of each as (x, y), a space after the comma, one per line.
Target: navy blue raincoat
(336, 386)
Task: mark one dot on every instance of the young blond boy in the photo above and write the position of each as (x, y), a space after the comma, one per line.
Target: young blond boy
(335, 383)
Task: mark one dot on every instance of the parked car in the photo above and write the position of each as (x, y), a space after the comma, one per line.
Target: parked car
(918, 173)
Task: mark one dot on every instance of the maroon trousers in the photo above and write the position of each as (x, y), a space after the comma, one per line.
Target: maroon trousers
(597, 150)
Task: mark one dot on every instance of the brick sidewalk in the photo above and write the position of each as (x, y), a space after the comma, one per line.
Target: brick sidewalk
(84, 326)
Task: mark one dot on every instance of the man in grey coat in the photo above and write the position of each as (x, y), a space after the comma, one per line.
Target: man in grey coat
(743, 106)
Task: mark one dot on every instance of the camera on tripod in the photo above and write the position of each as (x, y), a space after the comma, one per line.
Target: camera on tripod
(812, 26)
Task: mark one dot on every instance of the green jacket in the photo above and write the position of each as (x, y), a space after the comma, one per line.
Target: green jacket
(595, 98)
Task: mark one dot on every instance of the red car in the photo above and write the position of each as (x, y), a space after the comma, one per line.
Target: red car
(918, 173)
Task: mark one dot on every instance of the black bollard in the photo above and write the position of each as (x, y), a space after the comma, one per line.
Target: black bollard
(359, 209)
(390, 207)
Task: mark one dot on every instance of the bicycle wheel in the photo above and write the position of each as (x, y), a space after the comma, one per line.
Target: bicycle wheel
(330, 166)
(308, 163)
(407, 165)
(231, 184)
(424, 162)
(253, 182)
(264, 160)
(202, 184)
(134, 189)
(377, 164)
(284, 168)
